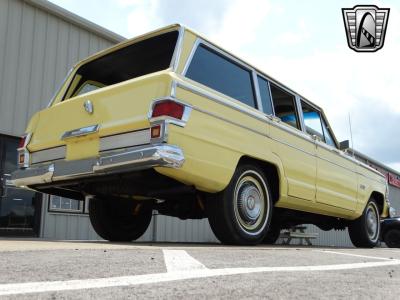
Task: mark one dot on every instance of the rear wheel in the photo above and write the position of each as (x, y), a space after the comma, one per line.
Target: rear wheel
(364, 232)
(241, 214)
(119, 219)
(392, 238)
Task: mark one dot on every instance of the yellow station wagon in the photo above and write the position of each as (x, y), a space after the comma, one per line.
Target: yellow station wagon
(170, 122)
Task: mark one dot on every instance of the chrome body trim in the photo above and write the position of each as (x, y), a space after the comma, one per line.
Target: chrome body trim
(182, 122)
(178, 49)
(123, 140)
(24, 151)
(257, 74)
(131, 159)
(190, 57)
(300, 114)
(33, 175)
(272, 120)
(163, 138)
(256, 89)
(80, 132)
(173, 89)
(48, 154)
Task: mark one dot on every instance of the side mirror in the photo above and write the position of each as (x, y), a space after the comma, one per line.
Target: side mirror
(344, 145)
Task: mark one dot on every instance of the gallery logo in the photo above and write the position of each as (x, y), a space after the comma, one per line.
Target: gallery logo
(365, 27)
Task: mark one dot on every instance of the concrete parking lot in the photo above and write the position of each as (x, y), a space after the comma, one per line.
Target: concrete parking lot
(80, 270)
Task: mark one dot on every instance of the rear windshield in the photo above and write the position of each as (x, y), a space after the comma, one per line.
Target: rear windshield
(144, 57)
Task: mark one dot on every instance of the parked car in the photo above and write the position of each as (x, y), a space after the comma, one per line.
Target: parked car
(391, 232)
(171, 122)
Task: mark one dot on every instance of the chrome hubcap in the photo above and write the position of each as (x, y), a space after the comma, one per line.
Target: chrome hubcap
(249, 203)
(251, 206)
(372, 223)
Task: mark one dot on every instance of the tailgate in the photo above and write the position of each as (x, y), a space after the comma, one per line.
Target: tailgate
(116, 109)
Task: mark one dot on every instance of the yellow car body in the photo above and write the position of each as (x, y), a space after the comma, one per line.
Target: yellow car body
(219, 132)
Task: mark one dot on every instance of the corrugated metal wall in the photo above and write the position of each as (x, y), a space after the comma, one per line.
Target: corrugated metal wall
(62, 226)
(394, 196)
(36, 51)
(71, 226)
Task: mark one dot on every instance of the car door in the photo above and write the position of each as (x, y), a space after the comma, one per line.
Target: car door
(336, 181)
(294, 148)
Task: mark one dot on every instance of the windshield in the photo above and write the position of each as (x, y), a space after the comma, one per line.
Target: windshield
(144, 57)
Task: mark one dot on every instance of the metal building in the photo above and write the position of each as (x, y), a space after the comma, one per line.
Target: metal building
(39, 43)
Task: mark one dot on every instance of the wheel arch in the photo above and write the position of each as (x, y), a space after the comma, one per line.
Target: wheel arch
(271, 171)
(380, 200)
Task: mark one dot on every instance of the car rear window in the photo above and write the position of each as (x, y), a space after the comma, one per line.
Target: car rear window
(221, 74)
(141, 58)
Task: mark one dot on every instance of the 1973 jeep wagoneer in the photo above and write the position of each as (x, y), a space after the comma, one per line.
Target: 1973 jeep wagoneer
(170, 122)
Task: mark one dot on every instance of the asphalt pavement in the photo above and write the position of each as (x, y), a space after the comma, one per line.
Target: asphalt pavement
(39, 269)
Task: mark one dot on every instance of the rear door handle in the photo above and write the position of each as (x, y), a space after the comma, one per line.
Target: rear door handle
(80, 132)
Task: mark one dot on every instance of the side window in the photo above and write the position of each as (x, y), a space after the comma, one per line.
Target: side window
(265, 95)
(284, 106)
(220, 73)
(328, 137)
(88, 86)
(312, 120)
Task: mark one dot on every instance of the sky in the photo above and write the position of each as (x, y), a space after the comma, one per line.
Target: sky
(300, 43)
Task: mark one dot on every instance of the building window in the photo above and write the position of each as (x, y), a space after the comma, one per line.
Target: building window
(61, 204)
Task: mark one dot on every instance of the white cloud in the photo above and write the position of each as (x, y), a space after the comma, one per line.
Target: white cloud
(143, 16)
(298, 36)
(240, 23)
(395, 166)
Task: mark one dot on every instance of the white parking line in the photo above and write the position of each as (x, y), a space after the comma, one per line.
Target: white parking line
(180, 260)
(389, 250)
(172, 275)
(351, 254)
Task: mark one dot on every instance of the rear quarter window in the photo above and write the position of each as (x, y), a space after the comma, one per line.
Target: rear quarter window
(221, 74)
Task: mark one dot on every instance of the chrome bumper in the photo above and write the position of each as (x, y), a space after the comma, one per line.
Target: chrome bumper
(130, 159)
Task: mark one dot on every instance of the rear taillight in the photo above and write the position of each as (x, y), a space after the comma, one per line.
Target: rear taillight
(156, 131)
(23, 153)
(168, 108)
(22, 141)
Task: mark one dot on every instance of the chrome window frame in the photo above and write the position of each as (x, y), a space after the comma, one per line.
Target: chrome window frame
(322, 119)
(257, 74)
(176, 56)
(317, 110)
(228, 57)
(299, 120)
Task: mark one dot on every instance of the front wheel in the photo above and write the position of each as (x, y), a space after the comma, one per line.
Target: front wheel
(119, 220)
(364, 232)
(241, 214)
